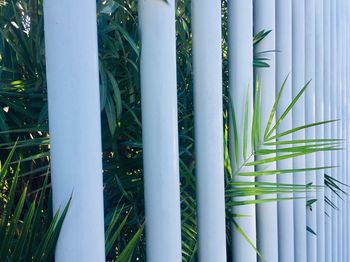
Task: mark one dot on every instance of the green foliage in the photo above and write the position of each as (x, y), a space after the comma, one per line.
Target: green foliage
(115, 238)
(24, 117)
(27, 230)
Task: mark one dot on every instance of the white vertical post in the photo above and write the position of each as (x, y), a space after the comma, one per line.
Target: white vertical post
(345, 127)
(73, 97)
(283, 69)
(240, 33)
(344, 124)
(309, 119)
(340, 123)
(159, 130)
(327, 128)
(298, 81)
(347, 24)
(207, 72)
(334, 126)
(320, 108)
(264, 19)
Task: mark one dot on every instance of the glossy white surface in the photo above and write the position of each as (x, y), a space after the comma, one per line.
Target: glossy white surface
(73, 97)
(284, 70)
(240, 22)
(160, 130)
(266, 214)
(298, 81)
(209, 150)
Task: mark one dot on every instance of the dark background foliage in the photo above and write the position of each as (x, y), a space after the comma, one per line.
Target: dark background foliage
(24, 118)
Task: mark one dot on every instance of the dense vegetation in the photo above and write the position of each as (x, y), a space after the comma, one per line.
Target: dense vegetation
(24, 120)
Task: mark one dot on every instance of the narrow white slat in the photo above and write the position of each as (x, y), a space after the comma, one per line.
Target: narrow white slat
(267, 232)
(240, 33)
(334, 126)
(309, 119)
(284, 70)
(159, 130)
(347, 72)
(339, 85)
(298, 81)
(207, 72)
(73, 99)
(327, 128)
(344, 124)
(347, 25)
(320, 110)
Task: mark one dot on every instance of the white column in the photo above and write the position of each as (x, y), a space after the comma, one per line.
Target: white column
(310, 118)
(339, 82)
(344, 124)
(347, 24)
(320, 107)
(73, 97)
(264, 19)
(298, 81)
(207, 72)
(334, 126)
(283, 69)
(327, 128)
(240, 26)
(159, 130)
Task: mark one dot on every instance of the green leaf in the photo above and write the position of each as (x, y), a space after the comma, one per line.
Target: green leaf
(126, 254)
(273, 110)
(244, 235)
(288, 109)
(116, 94)
(309, 229)
(111, 115)
(235, 133)
(111, 238)
(281, 171)
(245, 124)
(295, 129)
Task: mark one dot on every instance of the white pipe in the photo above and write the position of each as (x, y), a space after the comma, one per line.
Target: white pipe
(267, 232)
(339, 124)
(344, 124)
(347, 24)
(298, 81)
(320, 108)
(327, 128)
(283, 69)
(240, 33)
(334, 126)
(345, 127)
(75, 127)
(310, 118)
(159, 130)
(207, 72)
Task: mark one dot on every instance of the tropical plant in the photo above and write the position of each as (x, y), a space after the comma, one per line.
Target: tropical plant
(28, 232)
(24, 117)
